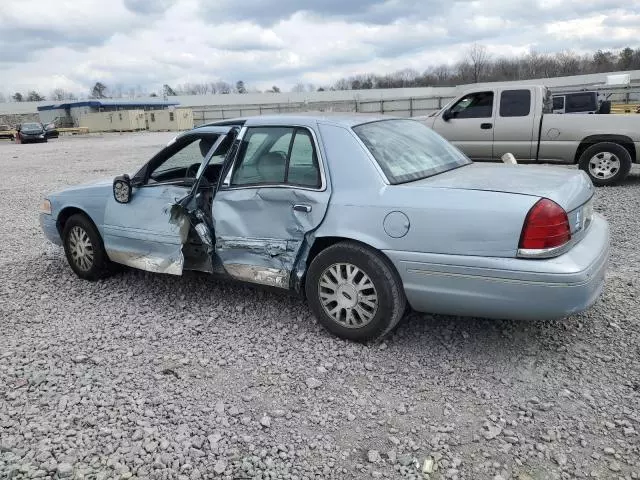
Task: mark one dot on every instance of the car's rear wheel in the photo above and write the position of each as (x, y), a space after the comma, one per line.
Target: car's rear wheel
(354, 292)
(84, 249)
(606, 163)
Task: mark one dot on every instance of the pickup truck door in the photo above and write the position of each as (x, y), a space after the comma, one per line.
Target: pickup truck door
(515, 126)
(468, 124)
(274, 192)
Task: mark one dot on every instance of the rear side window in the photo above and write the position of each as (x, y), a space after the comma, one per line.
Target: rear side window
(277, 155)
(515, 103)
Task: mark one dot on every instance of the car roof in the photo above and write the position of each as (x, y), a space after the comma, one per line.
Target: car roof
(303, 118)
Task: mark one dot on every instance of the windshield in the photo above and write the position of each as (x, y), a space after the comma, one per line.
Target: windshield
(32, 126)
(407, 150)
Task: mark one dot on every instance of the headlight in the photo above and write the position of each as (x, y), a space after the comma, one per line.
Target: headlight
(45, 206)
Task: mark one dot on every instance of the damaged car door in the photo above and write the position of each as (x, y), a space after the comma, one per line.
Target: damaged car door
(143, 233)
(274, 193)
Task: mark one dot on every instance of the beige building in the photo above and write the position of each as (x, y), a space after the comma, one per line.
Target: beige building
(118, 121)
(178, 119)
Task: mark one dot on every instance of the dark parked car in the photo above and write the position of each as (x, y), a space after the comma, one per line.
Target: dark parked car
(31, 132)
(51, 131)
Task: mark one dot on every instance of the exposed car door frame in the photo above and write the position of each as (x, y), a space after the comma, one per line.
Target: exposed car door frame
(154, 244)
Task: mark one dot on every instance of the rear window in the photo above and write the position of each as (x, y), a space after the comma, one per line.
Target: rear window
(407, 150)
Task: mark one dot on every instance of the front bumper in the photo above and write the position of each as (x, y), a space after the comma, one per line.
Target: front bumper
(48, 225)
(508, 288)
(31, 138)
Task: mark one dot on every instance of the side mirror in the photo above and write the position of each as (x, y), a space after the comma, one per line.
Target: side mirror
(446, 115)
(122, 189)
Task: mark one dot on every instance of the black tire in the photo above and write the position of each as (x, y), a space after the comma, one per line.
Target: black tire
(603, 148)
(100, 266)
(391, 300)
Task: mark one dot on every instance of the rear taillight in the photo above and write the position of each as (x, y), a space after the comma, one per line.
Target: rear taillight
(546, 226)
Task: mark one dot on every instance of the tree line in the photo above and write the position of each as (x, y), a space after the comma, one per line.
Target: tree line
(477, 66)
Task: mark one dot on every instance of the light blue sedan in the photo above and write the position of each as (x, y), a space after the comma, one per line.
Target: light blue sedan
(364, 216)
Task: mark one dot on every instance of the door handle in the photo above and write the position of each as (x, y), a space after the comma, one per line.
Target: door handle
(302, 208)
(486, 126)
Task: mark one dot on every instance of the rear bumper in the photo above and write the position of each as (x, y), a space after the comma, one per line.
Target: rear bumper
(49, 228)
(508, 288)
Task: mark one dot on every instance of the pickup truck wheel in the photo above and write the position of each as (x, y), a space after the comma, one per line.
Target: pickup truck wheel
(84, 249)
(606, 163)
(354, 292)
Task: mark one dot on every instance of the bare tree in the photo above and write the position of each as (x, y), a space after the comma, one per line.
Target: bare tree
(465, 71)
(298, 88)
(223, 87)
(478, 58)
(60, 94)
(343, 84)
(568, 63)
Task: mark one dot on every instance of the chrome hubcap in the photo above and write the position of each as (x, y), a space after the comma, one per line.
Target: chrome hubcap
(348, 295)
(81, 248)
(604, 165)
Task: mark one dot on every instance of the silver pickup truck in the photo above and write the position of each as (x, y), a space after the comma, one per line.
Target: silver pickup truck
(485, 123)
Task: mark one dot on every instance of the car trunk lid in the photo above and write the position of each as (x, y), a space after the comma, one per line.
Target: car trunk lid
(569, 188)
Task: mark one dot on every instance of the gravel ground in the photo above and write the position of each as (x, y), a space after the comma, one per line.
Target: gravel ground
(151, 376)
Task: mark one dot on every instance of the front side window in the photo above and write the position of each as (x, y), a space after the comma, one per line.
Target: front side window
(474, 105)
(407, 150)
(277, 155)
(185, 162)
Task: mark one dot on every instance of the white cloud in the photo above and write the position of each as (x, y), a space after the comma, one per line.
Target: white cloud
(72, 45)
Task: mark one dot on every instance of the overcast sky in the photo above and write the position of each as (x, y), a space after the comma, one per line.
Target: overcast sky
(71, 44)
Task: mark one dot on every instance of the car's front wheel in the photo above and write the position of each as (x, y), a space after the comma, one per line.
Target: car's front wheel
(84, 249)
(354, 292)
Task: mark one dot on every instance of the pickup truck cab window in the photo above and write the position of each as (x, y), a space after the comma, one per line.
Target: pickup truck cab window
(474, 105)
(515, 103)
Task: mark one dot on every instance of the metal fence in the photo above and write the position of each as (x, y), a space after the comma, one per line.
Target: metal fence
(403, 107)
